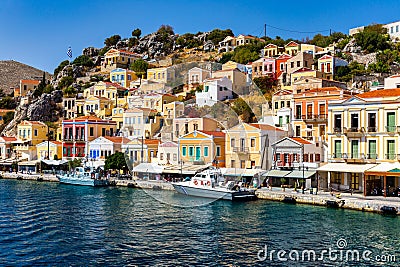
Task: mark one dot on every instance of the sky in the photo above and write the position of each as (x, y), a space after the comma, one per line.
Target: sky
(39, 32)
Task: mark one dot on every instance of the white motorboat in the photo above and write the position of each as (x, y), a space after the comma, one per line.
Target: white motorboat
(83, 176)
(211, 184)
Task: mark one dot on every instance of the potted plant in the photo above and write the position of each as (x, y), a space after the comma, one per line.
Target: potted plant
(283, 182)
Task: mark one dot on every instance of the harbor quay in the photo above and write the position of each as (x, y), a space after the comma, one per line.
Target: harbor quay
(334, 200)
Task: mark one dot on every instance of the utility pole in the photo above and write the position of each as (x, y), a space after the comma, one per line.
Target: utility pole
(48, 142)
(265, 30)
(330, 32)
(141, 154)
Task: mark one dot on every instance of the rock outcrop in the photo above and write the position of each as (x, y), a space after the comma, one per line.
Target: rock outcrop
(69, 70)
(45, 108)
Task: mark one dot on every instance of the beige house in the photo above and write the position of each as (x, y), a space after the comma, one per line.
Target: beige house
(116, 58)
(182, 126)
(25, 86)
(161, 75)
(141, 122)
(238, 78)
(196, 76)
(307, 83)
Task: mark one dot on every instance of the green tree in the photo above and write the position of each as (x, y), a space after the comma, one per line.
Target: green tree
(83, 60)
(165, 30)
(324, 41)
(136, 33)
(373, 38)
(60, 67)
(267, 85)
(69, 91)
(226, 57)
(140, 67)
(116, 161)
(218, 35)
(65, 82)
(113, 40)
(48, 89)
(9, 116)
(8, 102)
(346, 73)
(243, 54)
(74, 163)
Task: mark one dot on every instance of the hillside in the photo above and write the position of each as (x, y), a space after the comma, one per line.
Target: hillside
(11, 72)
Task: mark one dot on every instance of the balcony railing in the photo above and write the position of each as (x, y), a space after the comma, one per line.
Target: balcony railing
(315, 117)
(337, 130)
(390, 129)
(241, 149)
(372, 156)
(391, 156)
(371, 129)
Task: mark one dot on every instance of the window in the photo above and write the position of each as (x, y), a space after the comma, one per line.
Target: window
(338, 123)
(218, 154)
(298, 63)
(317, 157)
(336, 177)
(297, 130)
(280, 121)
(391, 149)
(372, 149)
(252, 142)
(287, 119)
(282, 104)
(397, 28)
(298, 112)
(242, 144)
(355, 180)
(191, 151)
(220, 88)
(91, 131)
(205, 152)
(309, 111)
(328, 67)
(354, 149)
(242, 164)
(233, 164)
(338, 149)
(232, 142)
(292, 65)
(354, 122)
(276, 105)
(35, 132)
(391, 122)
(174, 157)
(168, 156)
(371, 122)
(288, 104)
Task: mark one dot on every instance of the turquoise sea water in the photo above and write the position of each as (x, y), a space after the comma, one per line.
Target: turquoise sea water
(48, 224)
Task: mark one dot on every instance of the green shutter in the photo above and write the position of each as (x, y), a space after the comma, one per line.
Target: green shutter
(391, 149)
(391, 121)
(354, 149)
(338, 149)
(372, 149)
(184, 151)
(280, 120)
(205, 151)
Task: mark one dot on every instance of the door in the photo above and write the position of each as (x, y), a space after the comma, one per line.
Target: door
(198, 153)
(372, 149)
(354, 149)
(391, 121)
(355, 181)
(391, 149)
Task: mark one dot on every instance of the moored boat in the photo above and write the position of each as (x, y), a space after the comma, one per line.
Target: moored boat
(210, 184)
(83, 176)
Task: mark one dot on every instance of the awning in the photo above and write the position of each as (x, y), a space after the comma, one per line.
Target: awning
(276, 173)
(300, 174)
(28, 163)
(385, 168)
(54, 162)
(184, 169)
(240, 172)
(345, 167)
(148, 167)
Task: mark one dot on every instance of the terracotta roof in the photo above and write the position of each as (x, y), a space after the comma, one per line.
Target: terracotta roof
(34, 82)
(117, 139)
(381, 93)
(214, 133)
(395, 76)
(9, 139)
(32, 123)
(129, 52)
(292, 43)
(116, 85)
(56, 142)
(301, 140)
(6, 110)
(323, 89)
(168, 144)
(265, 127)
(151, 141)
(270, 45)
(303, 70)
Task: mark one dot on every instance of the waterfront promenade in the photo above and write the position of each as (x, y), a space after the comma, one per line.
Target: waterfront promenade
(344, 200)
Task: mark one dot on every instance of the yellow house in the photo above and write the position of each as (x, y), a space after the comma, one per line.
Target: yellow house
(123, 77)
(162, 75)
(157, 101)
(307, 72)
(141, 150)
(116, 58)
(310, 49)
(206, 147)
(105, 89)
(33, 131)
(117, 115)
(173, 110)
(248, 145)
(292, 48)
(272, 50)
(328, 64)
(25, 86)
(100, 106)
(52, 148)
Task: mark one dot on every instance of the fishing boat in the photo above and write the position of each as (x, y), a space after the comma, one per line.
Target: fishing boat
(83, 176)
(211, 184)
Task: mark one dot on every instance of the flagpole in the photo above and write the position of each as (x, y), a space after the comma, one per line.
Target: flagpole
(69, 54)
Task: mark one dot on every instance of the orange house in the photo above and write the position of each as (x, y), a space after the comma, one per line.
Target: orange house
(280, 62)
(311, 111)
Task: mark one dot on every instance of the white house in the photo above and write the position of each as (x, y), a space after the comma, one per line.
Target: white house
(392, 82)
(214, 90)
(167, 153)
(197, 75)
(102, 147)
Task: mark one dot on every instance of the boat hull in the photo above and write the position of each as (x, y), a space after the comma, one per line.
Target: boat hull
(85, 182)
(213, 193)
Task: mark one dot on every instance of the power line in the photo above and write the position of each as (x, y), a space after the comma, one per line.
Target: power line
(277, 28)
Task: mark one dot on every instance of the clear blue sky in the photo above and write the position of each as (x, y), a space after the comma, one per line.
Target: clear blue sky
(38, 32)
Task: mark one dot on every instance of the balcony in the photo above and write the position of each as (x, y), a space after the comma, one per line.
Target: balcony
(392, 156)
(356, 158)
(241, 150)
(315, 118)
(293, 164)
(337, 157)
(391, 129)
(371, 130)
(354, 132)
(337, 130)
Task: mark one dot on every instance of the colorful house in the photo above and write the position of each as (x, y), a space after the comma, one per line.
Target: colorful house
(264, 67)
(25, 86)
(272, 50)
(141, 122)
(281, 65)
(141, 150)
(214, 90)
(161, 75)
(167, 153)
(248, 146)
(362, 132)
(6, 148)
(203, 147)
(183, 126)
(123, 77)
(308, 73)
(78, 132)
(104, 146)
(116, 58)
(292, 48)
(49, 150)
(328, 64)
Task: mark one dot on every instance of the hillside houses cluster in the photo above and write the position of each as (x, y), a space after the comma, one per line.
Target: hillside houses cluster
(315, 129)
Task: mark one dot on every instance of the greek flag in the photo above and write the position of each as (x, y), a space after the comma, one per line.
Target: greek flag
(69, 52)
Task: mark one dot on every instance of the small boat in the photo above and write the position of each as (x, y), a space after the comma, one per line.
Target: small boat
(211, 184)
(388, 210)
(83, 176)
